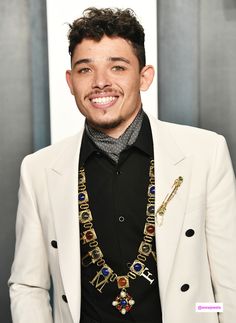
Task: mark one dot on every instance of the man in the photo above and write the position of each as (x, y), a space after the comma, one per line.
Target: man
(133, 218)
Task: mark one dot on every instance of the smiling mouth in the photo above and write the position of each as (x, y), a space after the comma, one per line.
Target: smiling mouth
(103, 100)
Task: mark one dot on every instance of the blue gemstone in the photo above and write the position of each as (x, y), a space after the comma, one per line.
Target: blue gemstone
(123, 302)
(81, 196)
(152, 189)
(105, 271)
(137, 267)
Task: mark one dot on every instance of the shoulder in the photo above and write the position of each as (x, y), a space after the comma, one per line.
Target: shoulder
(185, 132)
(186, 137)
(45, 157)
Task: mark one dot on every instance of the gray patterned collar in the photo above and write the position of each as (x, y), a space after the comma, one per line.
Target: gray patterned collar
(114, 146)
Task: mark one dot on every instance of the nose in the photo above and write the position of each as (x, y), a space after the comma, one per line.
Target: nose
(101, 80)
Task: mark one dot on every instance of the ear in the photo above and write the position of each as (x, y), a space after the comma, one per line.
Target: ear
(69, 81)
(146, 77)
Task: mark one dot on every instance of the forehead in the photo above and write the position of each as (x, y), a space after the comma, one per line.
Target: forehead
(106, 47)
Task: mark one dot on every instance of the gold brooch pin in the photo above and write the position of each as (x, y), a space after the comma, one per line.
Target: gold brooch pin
(162, 209)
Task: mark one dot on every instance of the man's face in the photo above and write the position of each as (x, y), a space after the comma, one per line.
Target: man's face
(106, 81)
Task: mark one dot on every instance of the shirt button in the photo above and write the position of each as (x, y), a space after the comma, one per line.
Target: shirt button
(121, 218)
(118, 172)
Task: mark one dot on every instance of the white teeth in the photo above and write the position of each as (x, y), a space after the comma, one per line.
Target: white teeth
(103, 100)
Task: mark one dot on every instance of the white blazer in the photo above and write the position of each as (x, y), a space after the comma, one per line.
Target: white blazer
(205, 203)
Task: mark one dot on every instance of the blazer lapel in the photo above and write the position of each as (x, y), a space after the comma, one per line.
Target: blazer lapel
(63, 183)
(170, 163)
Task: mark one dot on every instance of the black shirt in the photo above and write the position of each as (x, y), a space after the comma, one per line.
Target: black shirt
(118, 199)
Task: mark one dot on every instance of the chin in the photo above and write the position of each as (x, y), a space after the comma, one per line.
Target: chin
(109, 124)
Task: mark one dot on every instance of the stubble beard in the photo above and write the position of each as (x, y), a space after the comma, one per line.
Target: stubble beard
(105, 125)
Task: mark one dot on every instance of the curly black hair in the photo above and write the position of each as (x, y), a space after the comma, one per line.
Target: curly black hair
(95, 23)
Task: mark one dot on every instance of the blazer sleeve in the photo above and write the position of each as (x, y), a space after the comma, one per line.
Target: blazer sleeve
(221, 230)
(29, 282)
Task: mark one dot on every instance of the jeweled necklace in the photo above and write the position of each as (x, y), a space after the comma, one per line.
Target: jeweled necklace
(123, 301)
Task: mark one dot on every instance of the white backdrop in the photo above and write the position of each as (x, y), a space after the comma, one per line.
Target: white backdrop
(65, 118)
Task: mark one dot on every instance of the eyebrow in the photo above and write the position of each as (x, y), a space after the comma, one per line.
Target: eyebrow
(117, 59)
(112, 59)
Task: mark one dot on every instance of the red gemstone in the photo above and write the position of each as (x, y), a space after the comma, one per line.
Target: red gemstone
(122, 282)
(89, 235)
(128, 307)
(119, 307)
(150, 229)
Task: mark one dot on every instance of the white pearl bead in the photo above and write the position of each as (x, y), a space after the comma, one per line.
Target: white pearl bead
(114, 303)
(123, 311)
(131, 302)
(123, 294)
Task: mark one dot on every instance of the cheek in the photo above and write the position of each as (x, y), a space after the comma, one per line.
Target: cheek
(131, 85)
(79, 90)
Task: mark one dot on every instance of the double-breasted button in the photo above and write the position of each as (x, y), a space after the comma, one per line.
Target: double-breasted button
(189, 233)
(64, 298)
(54, 243)
(184, 287)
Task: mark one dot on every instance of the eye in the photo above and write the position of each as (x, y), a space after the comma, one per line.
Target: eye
(84, 70)
(118, 68)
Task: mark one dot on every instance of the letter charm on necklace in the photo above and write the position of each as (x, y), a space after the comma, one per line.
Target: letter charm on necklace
(147, 275)
(101, 278)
